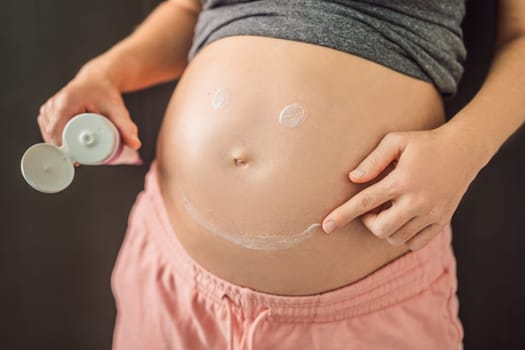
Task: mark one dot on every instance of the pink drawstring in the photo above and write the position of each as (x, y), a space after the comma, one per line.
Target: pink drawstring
(226, 300)
(251, 330)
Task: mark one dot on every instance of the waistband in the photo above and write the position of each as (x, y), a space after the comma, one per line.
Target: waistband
(398, 280)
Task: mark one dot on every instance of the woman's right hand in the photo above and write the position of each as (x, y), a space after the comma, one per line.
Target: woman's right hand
(87, 92)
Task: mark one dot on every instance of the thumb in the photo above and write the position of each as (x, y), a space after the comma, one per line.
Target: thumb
(118, 113)
(388, 150)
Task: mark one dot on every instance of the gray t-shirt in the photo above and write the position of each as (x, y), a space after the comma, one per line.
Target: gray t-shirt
(420, 38)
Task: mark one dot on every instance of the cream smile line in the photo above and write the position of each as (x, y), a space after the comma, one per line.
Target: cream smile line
(291, 116)
(262, 241)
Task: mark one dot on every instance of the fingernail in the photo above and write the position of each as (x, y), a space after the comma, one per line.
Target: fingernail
(357, 173)
(329, 226)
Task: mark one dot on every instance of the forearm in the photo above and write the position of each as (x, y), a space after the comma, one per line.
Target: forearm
(155, 52)
(498, 109)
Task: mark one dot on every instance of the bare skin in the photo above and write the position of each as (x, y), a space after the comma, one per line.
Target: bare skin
(434, 168)
(360, 115)
(289, 178)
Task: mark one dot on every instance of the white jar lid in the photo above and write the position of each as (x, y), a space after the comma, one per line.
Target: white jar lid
(90, 138)
(46, 168)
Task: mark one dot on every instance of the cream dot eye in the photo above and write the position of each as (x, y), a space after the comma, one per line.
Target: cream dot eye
(219, 98)
(292, 115)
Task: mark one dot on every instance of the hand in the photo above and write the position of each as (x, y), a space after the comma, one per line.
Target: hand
(433, 169)
(94, 93)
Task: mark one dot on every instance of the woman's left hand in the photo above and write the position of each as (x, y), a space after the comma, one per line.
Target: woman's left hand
(433, 169)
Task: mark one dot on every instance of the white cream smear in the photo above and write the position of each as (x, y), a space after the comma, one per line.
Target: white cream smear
(219, 98)
(292, 115)
(261, 241)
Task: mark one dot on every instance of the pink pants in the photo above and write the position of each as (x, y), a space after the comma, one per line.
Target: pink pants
(165, 300)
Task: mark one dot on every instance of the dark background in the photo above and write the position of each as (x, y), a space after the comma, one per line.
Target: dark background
(57, 251)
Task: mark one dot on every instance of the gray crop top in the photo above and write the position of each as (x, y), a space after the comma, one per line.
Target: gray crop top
(421, 38)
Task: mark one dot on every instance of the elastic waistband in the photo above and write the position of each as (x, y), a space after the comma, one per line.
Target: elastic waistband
(400, 279)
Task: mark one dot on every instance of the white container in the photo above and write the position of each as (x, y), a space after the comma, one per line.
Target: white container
(87, 138)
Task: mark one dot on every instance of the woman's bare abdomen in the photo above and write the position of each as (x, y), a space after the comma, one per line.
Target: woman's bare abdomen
(255, 150)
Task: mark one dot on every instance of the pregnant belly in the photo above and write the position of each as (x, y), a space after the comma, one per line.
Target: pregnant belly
(255, 150)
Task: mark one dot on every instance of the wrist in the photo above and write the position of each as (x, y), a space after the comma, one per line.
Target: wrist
(114, 66)
(469, 140)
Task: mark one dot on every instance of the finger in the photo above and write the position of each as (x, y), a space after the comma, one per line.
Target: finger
(42, 124)
(382, 207)
(423, 237)
(387, 222)
(56, 131)
(59, 110)
(387, 151)
(409, 230)
(118, 113)
(364, 201)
